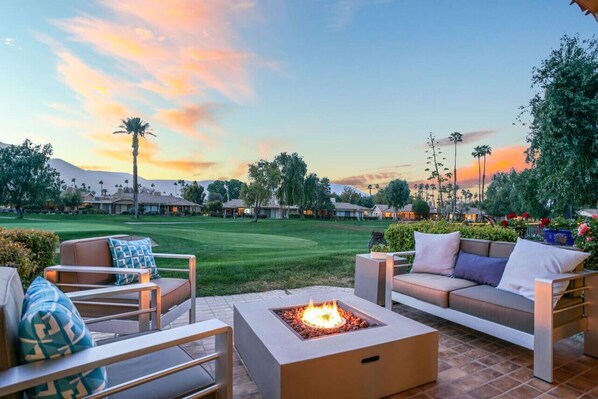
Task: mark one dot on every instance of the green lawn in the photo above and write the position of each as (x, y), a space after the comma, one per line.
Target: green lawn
(235, 256)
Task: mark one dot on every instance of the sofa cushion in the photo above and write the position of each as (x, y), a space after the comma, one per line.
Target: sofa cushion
(530, 260)
(173, 292)
(431, 288)
(51, 328)
(481, 269)
(132, 254)
(474, 246)
(436, 253)
(506, 308)
(11, 302)
(501, 249)
(87, 252)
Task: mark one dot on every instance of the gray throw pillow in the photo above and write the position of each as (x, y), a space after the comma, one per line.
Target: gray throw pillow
(436, 253)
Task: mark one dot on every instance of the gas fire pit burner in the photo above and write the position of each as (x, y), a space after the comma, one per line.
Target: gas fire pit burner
(348, 319)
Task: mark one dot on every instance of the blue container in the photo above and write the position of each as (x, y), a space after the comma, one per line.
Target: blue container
(559, 237)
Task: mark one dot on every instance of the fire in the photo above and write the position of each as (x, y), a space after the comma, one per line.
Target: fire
(322, 316)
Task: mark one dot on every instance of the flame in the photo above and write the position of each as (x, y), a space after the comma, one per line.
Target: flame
(322, 316)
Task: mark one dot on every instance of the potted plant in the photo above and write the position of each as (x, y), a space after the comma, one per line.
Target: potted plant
(558, 231)
(587, 240)
(517, 223)
(378, 251)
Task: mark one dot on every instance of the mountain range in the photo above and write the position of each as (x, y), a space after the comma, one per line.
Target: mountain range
(91, 178)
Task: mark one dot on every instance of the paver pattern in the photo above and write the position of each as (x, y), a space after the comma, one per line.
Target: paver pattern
(470, 364)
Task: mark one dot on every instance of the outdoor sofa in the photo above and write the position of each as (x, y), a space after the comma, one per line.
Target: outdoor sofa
(150, 364)
(87, 264)
(535, 325)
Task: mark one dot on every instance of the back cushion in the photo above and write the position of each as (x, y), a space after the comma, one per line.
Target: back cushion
(476, 247)
(87, 252)
(501, 249)
(11, 302)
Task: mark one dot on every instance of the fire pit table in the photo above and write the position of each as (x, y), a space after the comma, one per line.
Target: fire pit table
(372, 353)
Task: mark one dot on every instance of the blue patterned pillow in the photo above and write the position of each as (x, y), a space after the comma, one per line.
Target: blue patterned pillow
(132, 254)
(51, 327)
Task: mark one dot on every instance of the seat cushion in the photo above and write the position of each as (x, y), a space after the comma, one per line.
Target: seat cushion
(431, 288)
(51, 328)
(134, 254)
(173, 386)
(173, 291)
(506, 308)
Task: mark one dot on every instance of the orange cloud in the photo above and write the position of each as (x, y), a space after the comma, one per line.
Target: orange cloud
(120, 150)
(177, 47)
(240, 170)
(186, 119)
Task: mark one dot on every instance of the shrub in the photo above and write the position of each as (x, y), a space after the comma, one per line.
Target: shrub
(38, 247)
(14, 254)
(400, 236)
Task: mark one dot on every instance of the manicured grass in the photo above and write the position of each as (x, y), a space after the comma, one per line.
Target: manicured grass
(235, 256)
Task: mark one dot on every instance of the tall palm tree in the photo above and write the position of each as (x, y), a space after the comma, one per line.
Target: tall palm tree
(127, 183)
(101, 183)
(455, 137)
(486, 151)
(477, 153)
(73, 180)
(136, 127)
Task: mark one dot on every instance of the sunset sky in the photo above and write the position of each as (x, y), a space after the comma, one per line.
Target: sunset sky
(354, 86)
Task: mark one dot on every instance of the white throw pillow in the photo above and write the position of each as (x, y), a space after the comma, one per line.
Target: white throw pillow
(530, 260)
(436, 253)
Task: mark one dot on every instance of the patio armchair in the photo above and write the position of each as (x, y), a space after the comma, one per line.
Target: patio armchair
(87, 264)
(146, 365)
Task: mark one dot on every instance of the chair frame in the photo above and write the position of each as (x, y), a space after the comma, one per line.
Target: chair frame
(52, 274)
(545, 335)
(26, 376)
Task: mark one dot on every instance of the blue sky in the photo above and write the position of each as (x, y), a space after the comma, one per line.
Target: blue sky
(352, 85)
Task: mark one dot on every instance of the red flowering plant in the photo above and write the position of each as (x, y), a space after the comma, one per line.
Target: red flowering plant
(544, 222)
(587, 240)
(516, 222)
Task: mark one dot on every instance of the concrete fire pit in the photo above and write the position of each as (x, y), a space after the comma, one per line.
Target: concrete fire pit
(395, 355)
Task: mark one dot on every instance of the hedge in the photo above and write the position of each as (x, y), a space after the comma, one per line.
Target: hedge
(30, 251)
(400, 236)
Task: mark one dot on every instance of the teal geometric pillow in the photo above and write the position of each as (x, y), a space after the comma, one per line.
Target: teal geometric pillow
(132, 254)
(51, 327)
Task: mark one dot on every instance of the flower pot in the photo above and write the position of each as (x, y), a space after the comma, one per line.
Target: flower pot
(378, 255)
(559, 237)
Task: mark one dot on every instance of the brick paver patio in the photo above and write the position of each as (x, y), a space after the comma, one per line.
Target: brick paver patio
(470, 365)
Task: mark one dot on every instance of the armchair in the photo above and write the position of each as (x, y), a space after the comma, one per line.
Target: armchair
(87, 264)
(137, 366)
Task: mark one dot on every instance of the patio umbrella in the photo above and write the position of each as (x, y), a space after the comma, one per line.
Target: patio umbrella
(589, 6)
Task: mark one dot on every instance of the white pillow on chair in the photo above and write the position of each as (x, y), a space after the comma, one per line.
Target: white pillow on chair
(436, 253)
(530, 260)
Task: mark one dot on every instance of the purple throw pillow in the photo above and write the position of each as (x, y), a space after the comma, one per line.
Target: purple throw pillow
(480, 269)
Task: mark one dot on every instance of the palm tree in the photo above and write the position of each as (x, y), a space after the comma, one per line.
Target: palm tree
(477, 153)
(486, 151)
(101, 183)
(455, 137)
(127, 183)
(137, 128)
(370, 188)
(175, 186)
(73, 180)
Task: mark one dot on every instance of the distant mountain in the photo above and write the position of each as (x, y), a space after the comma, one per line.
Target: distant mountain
(91, 178)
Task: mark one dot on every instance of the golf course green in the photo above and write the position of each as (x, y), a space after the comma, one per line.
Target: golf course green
(233, 256)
